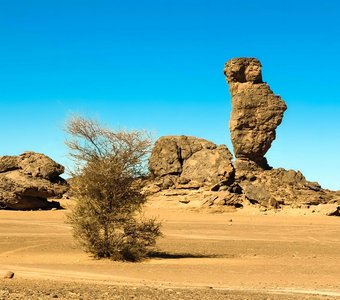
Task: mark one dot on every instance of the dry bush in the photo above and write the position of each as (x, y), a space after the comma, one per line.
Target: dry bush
(107, 218)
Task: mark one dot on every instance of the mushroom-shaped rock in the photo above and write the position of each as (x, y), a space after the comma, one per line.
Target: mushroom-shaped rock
(27, 180)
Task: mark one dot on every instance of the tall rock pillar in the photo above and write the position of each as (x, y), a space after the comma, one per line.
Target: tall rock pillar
(256, 112)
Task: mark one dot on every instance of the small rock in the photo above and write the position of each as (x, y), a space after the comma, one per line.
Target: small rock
(9, 275)
(151, 189)
(184, 201)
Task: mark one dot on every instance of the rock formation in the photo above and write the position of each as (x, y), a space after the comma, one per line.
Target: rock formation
(256, 111)
(276, 187)
(27, 180)
(199, 173)
(194, 170)
(189, 162)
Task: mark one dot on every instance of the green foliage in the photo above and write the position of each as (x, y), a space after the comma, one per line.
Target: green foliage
(107, 219)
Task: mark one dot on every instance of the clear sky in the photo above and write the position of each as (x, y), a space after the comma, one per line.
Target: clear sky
(158, 65)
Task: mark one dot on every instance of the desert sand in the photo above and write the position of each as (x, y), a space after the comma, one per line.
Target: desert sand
(236, 255)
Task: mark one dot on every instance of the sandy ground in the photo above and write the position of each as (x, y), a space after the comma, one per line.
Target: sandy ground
(202, 255)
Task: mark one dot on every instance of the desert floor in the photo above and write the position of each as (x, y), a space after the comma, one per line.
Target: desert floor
(203, 255)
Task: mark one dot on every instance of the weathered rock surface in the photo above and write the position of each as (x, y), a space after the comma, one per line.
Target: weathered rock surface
(256, 111)
(196, 173)
(27, 180)
(189, 162)
(277, 187)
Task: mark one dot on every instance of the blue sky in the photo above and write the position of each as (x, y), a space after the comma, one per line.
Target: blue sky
(157, 65)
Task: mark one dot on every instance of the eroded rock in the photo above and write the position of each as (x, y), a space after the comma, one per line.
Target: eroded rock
(189, 162)
(39, 165)
(256, 111)
(183, 167)
(276, 187)
(209, 166)
(27, 180)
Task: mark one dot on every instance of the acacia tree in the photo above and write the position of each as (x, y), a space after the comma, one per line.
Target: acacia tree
(106, 182)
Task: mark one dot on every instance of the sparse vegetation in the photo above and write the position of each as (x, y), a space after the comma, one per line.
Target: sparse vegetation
(107, 219)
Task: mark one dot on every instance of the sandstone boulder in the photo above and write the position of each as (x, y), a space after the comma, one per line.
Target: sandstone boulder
(31, 163)
(27, 180)
(331, 209)
(209, 166)
(189, 162)
(256, 111)
(8, 163)
(170, 152)
(39, 165)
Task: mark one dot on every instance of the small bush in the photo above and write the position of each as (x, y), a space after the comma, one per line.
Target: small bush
(107, 219)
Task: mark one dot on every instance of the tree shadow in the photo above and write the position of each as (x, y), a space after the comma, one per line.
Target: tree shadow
(167, 255)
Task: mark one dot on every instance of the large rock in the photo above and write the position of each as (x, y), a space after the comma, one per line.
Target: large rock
(31, 163)
(209, 166)
(39, 165)
(27, 180)
(189, 162)
(170, 152)
(256, 111)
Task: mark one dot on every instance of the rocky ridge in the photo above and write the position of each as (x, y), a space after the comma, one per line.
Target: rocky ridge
(195, 171)
(27, 180)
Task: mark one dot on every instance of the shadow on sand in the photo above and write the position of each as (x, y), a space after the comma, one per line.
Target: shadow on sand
(167, 255)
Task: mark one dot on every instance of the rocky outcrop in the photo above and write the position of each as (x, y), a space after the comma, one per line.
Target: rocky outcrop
(27, 180)
(256, 111)
(197, 173)
(278, 187)
(262, 189)
(189, 162)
